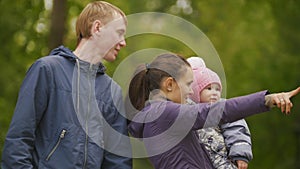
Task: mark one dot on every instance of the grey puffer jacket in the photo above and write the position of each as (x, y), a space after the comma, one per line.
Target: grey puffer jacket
(226, 143)
(237, 138)
(214, 143)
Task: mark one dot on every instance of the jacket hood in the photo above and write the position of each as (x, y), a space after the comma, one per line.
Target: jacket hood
(68, 54)
(63, 51)
(136, 127)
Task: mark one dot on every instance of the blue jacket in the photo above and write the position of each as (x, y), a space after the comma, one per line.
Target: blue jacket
(69, 114)
(168, 129)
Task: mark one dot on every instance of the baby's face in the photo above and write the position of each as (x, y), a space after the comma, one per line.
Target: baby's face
(210, 94)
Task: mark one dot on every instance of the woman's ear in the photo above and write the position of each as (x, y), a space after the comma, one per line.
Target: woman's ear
(168, 84)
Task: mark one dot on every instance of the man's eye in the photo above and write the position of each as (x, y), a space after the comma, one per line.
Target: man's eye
(121, 32)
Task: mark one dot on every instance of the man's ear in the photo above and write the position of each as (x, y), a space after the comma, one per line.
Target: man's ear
(96, 27)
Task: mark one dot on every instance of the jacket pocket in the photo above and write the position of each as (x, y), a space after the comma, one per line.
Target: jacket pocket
(61, 137)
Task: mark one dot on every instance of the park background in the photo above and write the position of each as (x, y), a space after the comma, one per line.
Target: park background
(257, 41)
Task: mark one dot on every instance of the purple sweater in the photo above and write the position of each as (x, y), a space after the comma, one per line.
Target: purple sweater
(168, 129)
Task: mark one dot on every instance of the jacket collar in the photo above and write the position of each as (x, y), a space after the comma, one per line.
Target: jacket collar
(68, 54)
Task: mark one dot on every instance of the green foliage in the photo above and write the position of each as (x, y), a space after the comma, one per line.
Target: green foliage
(22, 43)
(257, 42)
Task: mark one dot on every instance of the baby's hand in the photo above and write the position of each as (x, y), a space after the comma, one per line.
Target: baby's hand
(241, 164)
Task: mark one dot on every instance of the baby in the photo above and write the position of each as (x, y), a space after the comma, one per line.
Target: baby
(228, 145)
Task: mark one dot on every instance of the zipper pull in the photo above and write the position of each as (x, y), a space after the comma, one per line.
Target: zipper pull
(62, 134)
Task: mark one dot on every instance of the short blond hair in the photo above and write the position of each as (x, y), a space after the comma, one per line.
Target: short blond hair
(98, 10)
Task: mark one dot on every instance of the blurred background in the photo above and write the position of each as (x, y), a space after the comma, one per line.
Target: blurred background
(257, 42)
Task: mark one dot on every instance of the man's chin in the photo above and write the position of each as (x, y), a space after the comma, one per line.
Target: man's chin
(110, 58)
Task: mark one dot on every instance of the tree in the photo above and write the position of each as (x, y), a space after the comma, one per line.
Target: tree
(58, 20)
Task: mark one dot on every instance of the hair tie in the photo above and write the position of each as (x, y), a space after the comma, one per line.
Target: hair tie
(147, 66)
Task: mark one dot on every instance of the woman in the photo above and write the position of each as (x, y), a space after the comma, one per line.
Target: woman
(167, 126)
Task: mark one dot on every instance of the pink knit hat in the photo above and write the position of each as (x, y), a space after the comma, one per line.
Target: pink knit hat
(203, 76)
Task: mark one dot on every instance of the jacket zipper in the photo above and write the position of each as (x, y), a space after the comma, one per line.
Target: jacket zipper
(87, 116)
(61, 136)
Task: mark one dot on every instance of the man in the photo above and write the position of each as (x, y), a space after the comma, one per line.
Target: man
(69, 113)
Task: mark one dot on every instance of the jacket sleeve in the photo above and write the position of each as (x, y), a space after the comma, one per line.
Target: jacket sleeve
(117, 144)
(230, 110)
(32, 101)
(238, 140)
(174, 118)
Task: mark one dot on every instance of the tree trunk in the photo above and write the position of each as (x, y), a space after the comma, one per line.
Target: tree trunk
(58, 19)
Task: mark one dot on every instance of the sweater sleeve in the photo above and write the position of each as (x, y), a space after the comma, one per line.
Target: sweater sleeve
(230, 110)
(237, 138)
(31, 103)
(181, 118)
